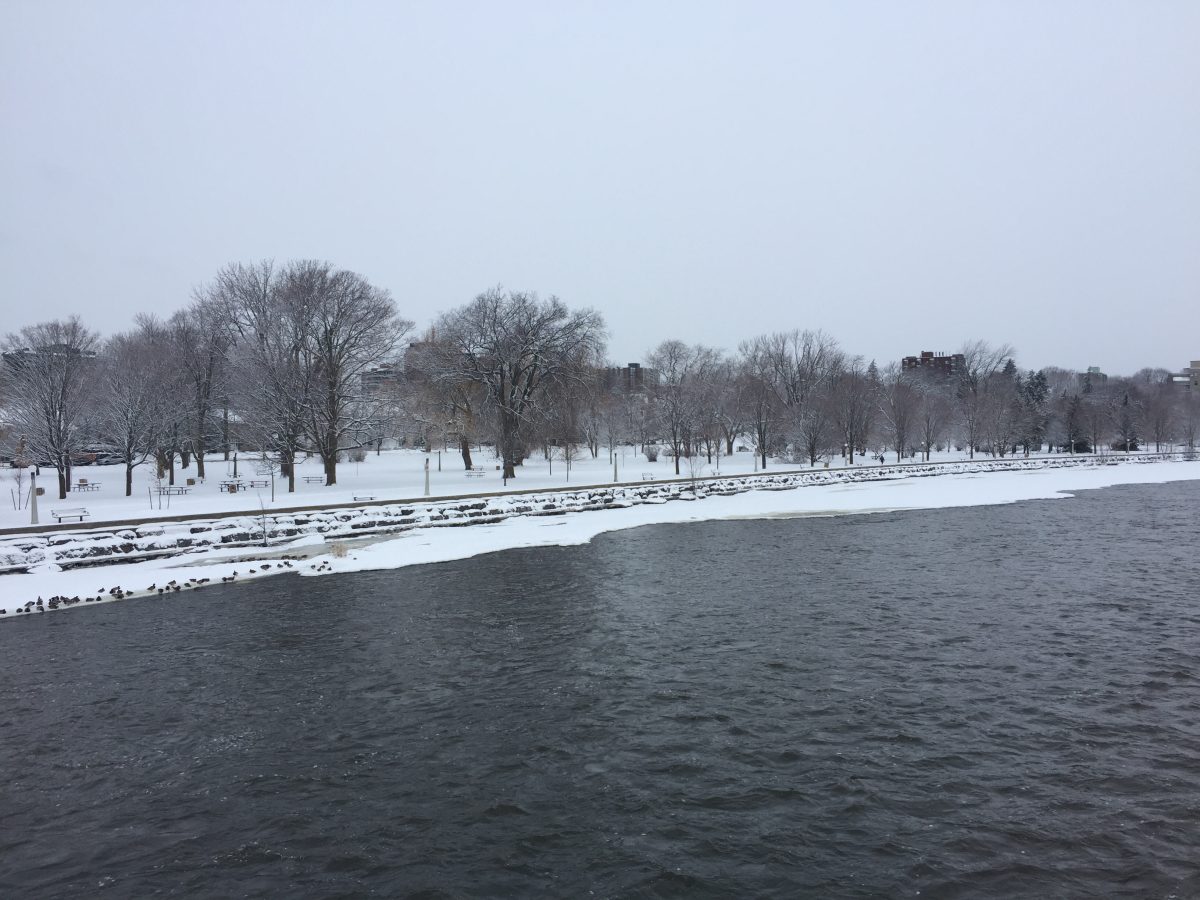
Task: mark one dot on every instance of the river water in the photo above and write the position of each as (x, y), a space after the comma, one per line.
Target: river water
(995, 701)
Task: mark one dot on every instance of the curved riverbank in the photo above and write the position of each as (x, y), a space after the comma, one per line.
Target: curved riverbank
(430, 533)
(128, 541)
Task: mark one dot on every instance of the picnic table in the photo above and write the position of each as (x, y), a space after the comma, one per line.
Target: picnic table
(170, 490)
(61, 514)
(647, 476)
(87, 486)
(233, 486)
(476, 472)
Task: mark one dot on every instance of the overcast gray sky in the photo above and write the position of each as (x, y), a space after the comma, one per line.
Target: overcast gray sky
(902, 175)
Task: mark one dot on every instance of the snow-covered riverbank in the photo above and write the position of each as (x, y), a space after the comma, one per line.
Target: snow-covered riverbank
(61, 568)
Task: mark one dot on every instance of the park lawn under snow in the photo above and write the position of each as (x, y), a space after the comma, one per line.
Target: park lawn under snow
(434, 544)
(391, 475)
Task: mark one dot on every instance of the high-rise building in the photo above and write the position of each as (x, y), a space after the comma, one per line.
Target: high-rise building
(944, 364)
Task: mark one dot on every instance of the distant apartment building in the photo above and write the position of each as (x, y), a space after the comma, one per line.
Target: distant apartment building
(379, 379)
(1189, 378)
(630, 379)
(17, 359)
(1093, 376)
(943, 364)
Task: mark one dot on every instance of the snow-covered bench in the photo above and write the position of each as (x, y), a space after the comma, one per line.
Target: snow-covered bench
(647, 476)
(476, 472)
(61, 514)
(364, 497)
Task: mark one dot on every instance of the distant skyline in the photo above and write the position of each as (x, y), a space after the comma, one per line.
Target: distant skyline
(904, 177)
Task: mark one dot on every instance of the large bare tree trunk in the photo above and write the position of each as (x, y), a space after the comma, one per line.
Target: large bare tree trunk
(464, 447)
(128, 480)
(329, 458)
(508, 443)
(287, 468)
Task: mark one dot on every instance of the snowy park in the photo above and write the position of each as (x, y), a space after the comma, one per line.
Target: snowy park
(99, 490)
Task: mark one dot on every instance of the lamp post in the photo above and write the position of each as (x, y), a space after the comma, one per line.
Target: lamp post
(33, 516)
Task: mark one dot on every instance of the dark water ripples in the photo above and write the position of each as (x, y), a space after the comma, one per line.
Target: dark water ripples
(981, 702)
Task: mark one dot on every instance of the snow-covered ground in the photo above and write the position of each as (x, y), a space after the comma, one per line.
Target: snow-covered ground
(422, 543)
(391, 475)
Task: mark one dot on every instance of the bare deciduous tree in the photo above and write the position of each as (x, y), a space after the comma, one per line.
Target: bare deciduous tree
(352, 325)
(683, 372)
(934, 412)
(899, 406)
(131, 372)
(268, 367)
(50, 375)
(853, 404)
(514, 345)
(980, 362)
(309, 333)
(201, 335)
(764, 403)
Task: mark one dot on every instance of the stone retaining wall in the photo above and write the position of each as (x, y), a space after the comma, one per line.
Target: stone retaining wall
(84, 547)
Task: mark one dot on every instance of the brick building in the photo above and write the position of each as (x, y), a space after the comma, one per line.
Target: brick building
(944, 364)
(628, 380)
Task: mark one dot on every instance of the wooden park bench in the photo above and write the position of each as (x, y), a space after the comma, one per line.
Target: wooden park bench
(476, 472)
(61, 514)
(647, 476)
(314, 479)
(259, 482)
(358, 498)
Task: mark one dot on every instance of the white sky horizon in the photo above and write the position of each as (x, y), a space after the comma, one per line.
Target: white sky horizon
(905, 177)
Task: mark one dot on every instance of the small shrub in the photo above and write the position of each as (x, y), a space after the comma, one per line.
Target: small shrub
(358, 454)
(651, 453)
(338, 550)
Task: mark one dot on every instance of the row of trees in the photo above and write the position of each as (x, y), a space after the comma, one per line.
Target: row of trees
(481, 376)
(305, 358)
(276, 353)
